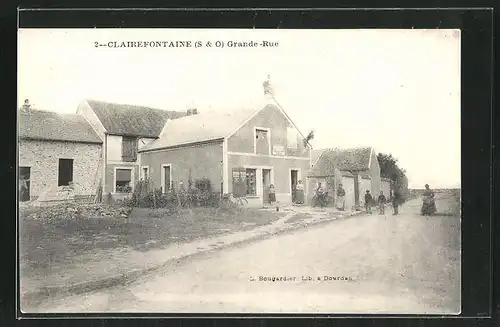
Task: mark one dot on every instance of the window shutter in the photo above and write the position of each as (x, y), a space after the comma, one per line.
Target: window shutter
(129, 148)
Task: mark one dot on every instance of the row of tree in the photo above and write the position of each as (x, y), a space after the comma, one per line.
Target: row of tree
(389, 168)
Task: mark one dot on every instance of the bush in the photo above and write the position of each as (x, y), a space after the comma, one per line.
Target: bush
(201, 196)
(203, 185)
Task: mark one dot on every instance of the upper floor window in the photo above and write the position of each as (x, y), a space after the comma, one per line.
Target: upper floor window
(291, 134)
(262, 142)
(129, 149)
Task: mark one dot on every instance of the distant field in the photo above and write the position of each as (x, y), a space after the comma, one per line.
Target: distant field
(449, 200)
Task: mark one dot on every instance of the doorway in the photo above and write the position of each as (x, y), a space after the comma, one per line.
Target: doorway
(65, 172)
(356, 191)
(266, 182)
(294, 178)
(24, 183)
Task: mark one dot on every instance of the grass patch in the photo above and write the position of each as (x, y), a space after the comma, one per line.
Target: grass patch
(298, 218)
(47, 244)
(448, 202)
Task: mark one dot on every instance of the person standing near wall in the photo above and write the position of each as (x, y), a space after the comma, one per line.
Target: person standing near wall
(395, 201)
(368, 202)
(340, 198)
(299, 194)
(381, 203)
(272, 195)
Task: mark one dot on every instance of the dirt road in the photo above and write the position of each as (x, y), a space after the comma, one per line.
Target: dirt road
(371, 263)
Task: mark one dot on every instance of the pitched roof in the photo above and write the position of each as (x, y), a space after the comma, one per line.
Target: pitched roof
(354, 159)
(202, 127)
(52, 126)
(124, 119)
(315, 154)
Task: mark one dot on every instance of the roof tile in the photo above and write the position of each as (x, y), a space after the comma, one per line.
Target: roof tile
(124, 119)
(47, 125)
(354, 159)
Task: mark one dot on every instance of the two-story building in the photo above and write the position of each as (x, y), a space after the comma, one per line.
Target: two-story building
(124, 129)
(241, 152)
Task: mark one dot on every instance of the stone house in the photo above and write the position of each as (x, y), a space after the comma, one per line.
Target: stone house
(124, 130)
(325, 172)
(59, 156)
(356, 168)
(241, 152)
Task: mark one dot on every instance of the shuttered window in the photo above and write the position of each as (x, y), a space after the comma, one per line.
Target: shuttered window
(129, 149)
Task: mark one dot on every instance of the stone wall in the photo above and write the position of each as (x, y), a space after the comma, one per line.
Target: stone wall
(43, 159)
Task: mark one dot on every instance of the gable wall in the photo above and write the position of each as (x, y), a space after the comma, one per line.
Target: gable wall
(86, 111)
(269, 117)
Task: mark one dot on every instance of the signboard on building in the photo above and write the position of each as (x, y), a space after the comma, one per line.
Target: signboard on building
(278, 150)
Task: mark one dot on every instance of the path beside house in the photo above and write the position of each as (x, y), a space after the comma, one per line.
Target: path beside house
(80, 255)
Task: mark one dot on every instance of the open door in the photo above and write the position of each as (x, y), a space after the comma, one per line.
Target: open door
(294, 178)
(356, 190)
(266, 182)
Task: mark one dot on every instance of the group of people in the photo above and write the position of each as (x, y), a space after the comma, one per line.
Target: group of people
(381, 200)
(428, 206)
(298, 198)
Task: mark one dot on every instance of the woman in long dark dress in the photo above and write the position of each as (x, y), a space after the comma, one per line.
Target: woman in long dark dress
(428, 202)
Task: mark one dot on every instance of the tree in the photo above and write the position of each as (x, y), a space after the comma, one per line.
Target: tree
(389, 168)
(308, 138)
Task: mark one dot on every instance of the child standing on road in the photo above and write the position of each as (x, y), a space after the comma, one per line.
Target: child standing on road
(381, 203)
(368, 202)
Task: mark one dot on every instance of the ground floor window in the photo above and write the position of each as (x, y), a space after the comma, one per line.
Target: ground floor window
(166, 178)
(65, 175)
(251, 181)
(123, 180)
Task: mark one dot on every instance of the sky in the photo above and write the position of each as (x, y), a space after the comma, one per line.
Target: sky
(395, 90)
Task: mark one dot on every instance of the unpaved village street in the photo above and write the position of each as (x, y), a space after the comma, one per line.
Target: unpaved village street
(392, 264)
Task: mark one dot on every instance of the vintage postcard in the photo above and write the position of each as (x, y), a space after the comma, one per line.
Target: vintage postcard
(239, 171)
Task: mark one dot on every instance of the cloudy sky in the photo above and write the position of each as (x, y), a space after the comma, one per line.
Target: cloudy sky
(396, 90)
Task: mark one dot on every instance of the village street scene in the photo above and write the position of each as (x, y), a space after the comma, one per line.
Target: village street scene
(229, 189)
